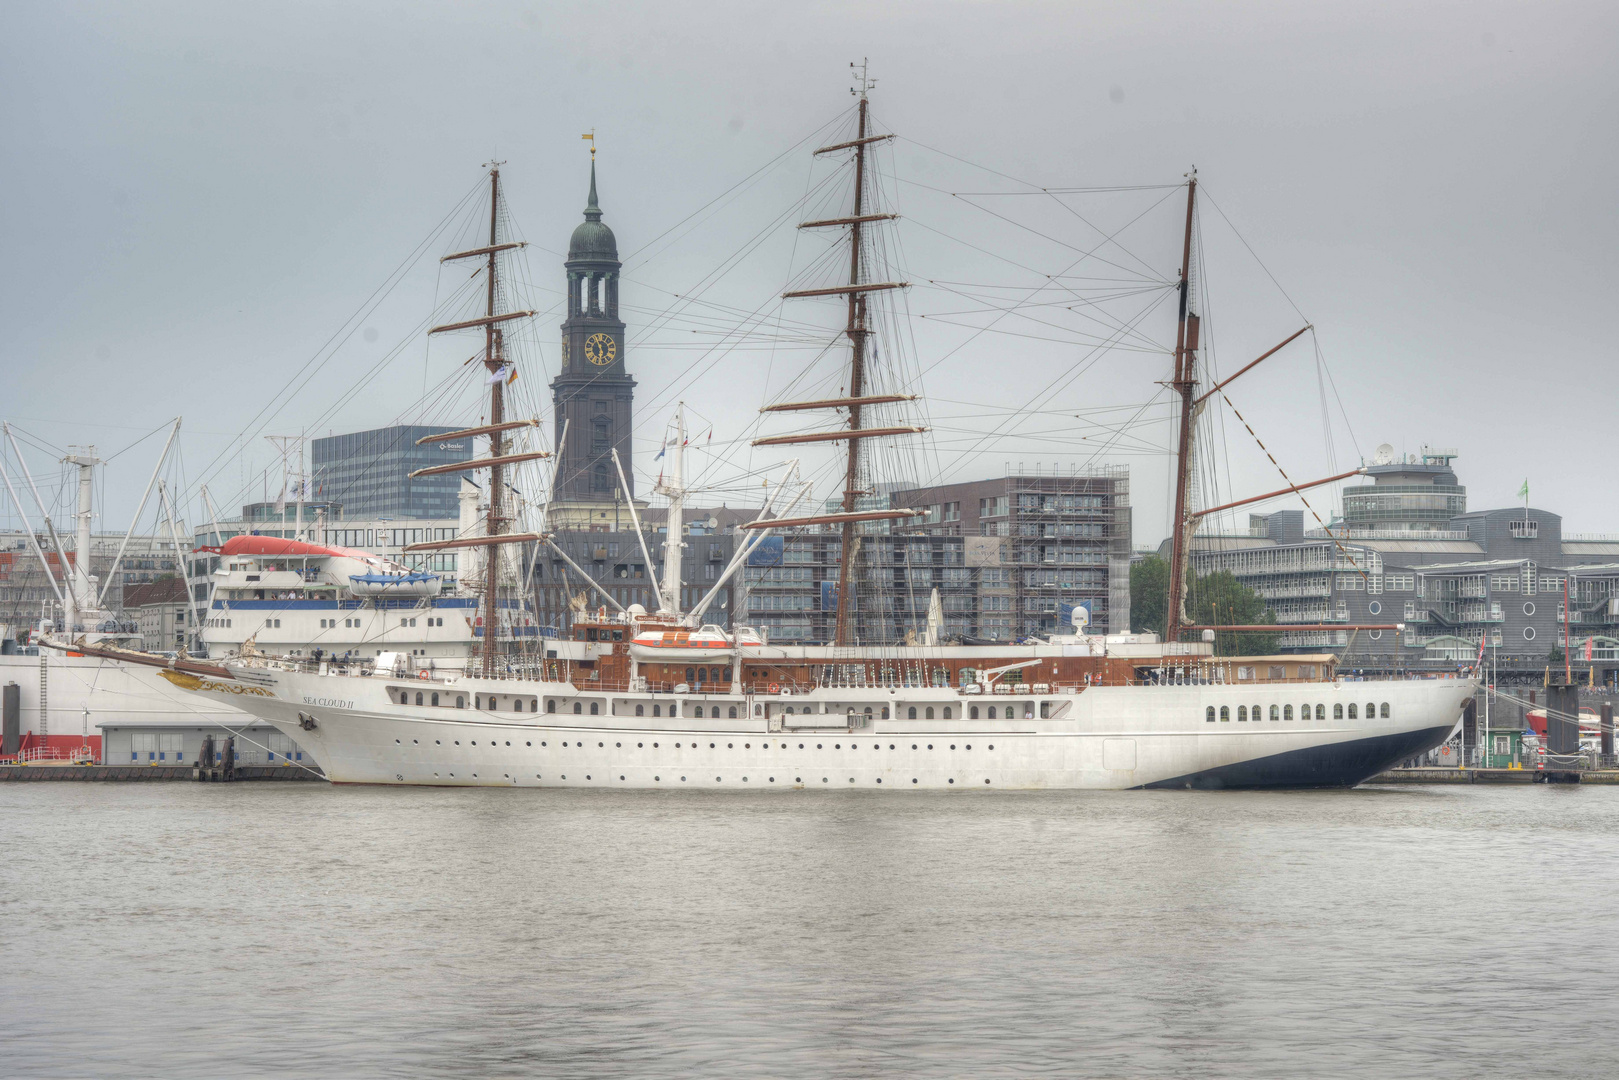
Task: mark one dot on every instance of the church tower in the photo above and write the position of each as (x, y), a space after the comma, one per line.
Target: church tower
(594, 396)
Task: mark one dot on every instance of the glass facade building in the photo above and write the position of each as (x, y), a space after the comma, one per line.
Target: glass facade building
(367, 473)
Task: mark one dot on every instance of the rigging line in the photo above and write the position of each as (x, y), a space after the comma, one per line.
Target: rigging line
(338, 336)
(1332, 382)
(1080, 366)
(1061, 243)
(1079, 339)
(1210, 199)
(1335, 541)
(761, 169)
(729, 263)
(1100, 190)
(1035, 290)
(1062, 302)
(1099, 230)
(1019, 311)
(110, 457)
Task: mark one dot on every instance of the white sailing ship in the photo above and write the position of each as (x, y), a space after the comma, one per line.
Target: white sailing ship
(641, 699)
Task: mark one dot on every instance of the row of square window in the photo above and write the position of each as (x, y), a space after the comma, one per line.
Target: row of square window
(1285, 712)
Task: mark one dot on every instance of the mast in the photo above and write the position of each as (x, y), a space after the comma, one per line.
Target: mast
(675, 527)
(494, 361)
(497, 416)
(1184, 384)
(857, 380)
(857, 329)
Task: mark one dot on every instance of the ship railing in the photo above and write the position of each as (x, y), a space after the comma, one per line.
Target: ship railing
(76, 755)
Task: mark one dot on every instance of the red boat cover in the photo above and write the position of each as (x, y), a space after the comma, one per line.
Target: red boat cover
(276, 545)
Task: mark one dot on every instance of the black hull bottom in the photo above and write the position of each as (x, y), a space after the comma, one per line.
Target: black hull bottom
(1339, 765)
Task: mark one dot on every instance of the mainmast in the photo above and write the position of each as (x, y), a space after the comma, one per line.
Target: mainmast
(497, 415)
(857, 329)
(494, 359)
(1184, 383)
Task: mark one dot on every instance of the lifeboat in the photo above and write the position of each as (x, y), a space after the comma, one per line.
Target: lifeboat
(405, 584)
(670, 644)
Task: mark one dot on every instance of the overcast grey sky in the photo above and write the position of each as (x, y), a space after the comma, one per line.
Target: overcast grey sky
(197, 196)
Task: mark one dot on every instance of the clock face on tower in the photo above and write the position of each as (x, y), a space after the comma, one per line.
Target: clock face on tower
(600, 349)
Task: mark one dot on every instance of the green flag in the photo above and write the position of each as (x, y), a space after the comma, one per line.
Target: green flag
(1523, 492)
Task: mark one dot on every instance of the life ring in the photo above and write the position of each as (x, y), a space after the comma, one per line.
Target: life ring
(774, 688)
(421, 674)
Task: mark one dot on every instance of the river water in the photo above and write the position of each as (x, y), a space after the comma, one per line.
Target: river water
(255, 929)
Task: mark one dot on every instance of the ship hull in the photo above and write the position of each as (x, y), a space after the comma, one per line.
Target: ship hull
(1103, 738)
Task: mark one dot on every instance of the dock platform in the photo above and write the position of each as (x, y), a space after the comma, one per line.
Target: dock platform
(1439, 775)
(140, 773)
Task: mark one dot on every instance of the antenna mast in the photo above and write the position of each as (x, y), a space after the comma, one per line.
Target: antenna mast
(1184, 384)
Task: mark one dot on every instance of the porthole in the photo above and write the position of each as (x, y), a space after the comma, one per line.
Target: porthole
(930, 746)
(1375, 635)
(728, 746)
(798, 779)
(913, 779)
(913, 746)
(619, 744)
(992, 746)
(528, 744)
(952, 746)
(1375, 607)
(772, 779)
(1528, 607)
(801, 746)
(638, 746)
(817, 746)
(952, 780)
(1529, 633)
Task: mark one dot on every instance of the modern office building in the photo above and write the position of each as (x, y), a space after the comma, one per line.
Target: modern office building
(1495, 577)
(367, 473)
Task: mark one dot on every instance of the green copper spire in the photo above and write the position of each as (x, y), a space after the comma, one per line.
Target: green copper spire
(592, 240)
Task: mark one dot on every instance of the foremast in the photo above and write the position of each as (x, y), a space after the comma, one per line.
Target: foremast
(496, 520)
